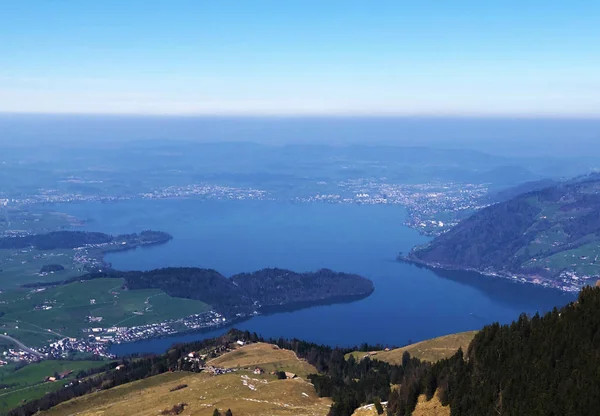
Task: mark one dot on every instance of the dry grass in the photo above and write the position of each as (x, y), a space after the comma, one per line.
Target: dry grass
(203, 394)
(424, 408)
(430, 350)
(266, 356)
(431, 408)
(242, 392)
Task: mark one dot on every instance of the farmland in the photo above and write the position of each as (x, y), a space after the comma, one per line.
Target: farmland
(35, 315)
(28, 383)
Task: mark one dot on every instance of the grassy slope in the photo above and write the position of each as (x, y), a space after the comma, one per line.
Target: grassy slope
(266, 356)
(29, 380)
(205, 392)
(424, 408)
(430, 350)
(23, 266)
(71, 304)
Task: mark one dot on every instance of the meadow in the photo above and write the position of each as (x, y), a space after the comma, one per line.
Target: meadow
(27, 383)
(241, 391)
(35, 315)
(430, 350)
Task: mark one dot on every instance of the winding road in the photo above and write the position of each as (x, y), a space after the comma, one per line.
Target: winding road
(21, 345)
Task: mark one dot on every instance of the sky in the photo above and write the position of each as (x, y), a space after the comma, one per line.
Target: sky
(301, 57)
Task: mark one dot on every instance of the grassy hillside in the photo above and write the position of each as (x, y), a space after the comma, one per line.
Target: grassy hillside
(430, 350)
(241, 391)
(550, 235)
(266, 356)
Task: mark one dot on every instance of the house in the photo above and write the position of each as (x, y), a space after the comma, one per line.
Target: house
(290, 375)
(241, 343)
(258, 371)
(120, 367)
(65, 374)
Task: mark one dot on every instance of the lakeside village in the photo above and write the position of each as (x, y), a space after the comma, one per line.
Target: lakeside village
(433, 208)
(207, 191)
(96, 340)
(425, 203)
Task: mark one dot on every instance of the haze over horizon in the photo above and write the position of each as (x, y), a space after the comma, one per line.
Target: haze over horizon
(466, 58)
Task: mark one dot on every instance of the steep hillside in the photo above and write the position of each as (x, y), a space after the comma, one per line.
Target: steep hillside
(549, 236)
(540, 365)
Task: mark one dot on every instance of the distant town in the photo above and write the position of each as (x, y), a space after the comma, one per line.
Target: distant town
(97, 340)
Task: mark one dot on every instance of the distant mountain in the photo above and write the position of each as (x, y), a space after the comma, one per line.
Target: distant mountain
(514, 191)
(550, 235)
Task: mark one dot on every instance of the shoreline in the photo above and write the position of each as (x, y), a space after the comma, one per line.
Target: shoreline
(264, 311)
(511, 277)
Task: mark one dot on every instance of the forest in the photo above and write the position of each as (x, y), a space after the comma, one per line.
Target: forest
(73, 239)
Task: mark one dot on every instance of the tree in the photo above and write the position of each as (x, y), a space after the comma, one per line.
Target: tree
(281, 375)
(378, 406)
(228, 413)
(216, 413)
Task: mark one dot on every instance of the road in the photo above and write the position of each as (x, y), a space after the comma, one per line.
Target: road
(21, 345)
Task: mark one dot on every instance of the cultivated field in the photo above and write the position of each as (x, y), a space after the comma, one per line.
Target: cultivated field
(36, 316)
(430, 350)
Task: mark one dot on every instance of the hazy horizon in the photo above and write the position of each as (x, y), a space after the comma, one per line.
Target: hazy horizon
(501, 136)
(464, 58)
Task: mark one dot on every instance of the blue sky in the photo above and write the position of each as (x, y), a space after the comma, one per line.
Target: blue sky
(468, 58)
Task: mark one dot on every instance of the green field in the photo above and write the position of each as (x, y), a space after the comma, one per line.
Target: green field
(28, 382)
(71, 305)
(18, 267)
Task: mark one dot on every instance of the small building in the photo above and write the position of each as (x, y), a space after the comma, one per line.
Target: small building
(258, 371)
(65, 374)
(289, 375)
(120, 367)
(241, 343)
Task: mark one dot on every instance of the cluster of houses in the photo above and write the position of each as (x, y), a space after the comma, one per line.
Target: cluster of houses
(59, 376)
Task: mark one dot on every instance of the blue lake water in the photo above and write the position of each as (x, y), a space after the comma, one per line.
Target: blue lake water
(409, 303)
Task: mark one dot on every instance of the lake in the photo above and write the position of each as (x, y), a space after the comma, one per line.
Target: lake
(409, 303)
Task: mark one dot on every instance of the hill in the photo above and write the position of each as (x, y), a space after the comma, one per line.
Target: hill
(242, 391)
(540, 365)
(431, 350)
(549, 236)
(268, 357)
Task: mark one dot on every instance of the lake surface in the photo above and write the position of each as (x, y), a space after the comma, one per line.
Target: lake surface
(409, 303)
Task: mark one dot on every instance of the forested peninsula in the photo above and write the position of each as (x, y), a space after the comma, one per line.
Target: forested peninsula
(75, 239)
(266, 290)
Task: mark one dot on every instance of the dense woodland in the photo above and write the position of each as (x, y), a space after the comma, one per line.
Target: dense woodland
(73, 239)
(272, 287)
(499, 237)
